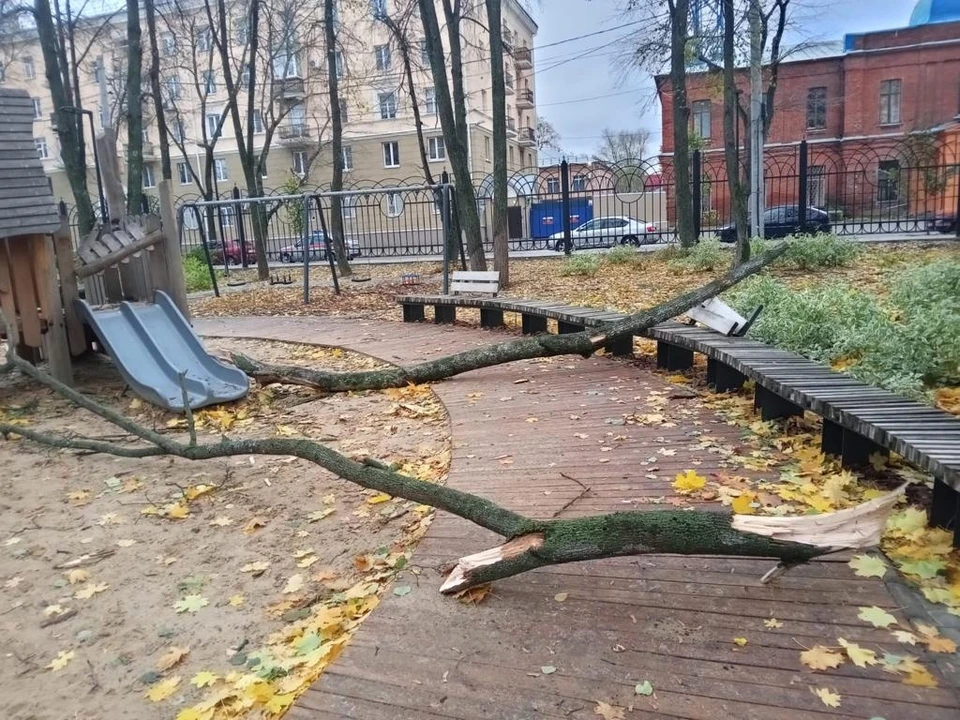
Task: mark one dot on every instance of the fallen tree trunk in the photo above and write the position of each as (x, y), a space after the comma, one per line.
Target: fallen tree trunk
(529, 543)
(582, 343)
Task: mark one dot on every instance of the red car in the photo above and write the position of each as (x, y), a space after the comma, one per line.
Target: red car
(233, 253)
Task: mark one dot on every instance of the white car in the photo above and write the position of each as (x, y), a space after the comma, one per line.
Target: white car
(608, 231)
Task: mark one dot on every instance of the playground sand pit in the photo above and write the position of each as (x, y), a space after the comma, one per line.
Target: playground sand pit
(162, 588)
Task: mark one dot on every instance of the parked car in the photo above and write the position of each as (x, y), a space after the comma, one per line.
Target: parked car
(783, 220)
(233, 253)
(318, 249)
(942, 222)
(608, 231)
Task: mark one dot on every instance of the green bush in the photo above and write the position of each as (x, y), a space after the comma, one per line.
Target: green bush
(197, 254)
(585, 265)
(196, 273)
(806, 252)
(908, 343)
(624, 255)
(705, 255)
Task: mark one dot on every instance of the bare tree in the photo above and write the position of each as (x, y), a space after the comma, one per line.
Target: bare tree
(619, 145)
(547, 136)
(155, 92)
(501, 250)
(336, 144)
(134, 110)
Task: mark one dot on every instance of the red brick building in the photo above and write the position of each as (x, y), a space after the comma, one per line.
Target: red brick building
(873, 112)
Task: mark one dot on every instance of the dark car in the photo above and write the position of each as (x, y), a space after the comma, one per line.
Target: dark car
(318, 249)
(233, 253)
(944, 223)
(783, 220)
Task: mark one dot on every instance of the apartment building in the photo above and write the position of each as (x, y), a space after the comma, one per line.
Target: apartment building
(291, 101)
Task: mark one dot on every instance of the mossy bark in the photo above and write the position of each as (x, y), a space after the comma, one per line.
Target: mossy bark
(583, 343)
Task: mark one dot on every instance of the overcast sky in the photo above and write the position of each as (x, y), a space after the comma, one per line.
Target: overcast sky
(589, 67)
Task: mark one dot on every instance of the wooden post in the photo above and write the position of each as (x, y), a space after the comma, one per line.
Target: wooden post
(177, 288)
(69, 293)
(48, 291)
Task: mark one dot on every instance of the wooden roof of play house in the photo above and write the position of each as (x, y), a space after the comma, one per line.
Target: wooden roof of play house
(27, 206)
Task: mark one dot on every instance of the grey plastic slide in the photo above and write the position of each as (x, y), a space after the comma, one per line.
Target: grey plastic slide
(152, 343)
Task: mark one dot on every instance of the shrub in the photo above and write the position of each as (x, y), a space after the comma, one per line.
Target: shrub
(705, 255)
(806, 252)
(196, 273)
(585, 265)
(624, 255)
(196, 253)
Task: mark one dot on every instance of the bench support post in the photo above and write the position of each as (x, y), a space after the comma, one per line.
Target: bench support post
(533, 324)
(857, 449)
(564, 328)
(831, 441)
(724, 378)
(444, 314)
(772, 406)
(490, 318)
(673, 357)
(622, 347)
(412, 312)
(945, 509)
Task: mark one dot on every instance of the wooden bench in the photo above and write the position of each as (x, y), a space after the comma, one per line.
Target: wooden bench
(858, 419)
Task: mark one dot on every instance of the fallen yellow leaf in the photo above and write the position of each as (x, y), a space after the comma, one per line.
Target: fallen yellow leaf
(163, 689)
(830, 698)
(61, 660)
(688, 482)
(171, 657)
(821, 658)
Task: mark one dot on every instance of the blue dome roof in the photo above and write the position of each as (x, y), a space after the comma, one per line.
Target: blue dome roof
(935, 11)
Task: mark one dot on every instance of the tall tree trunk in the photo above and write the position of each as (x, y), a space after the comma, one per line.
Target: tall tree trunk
(335, 226)
(501, 259)
(134, 110)
(738, 198)
(456, 143)
(679, 10)
(69, 130)
(151, 12)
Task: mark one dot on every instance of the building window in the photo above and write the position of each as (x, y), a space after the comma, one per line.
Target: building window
(37, 110)
(3, 73)
(226, 216)
(177, 130)
(169, 43)
(183, 173)
(553, 185)
(344, 113)
(424, 53)
(888, 181)
(257, 122)
(210, 82)
(148, 181)
(511, 154)
(338, 64)
(430, 101)
(889, 102)
(220, 169)
(300, 163)
(391, 154)
(436, 149)
(579, 183)
(244, 80)
(286, 65)
(241, 30)
(388, 105)
(483, 100)
(394, 204)
(816, 108)
(382, 55)
(378, 8)
(816, 185)
(298, 119)
(486, 148)
(204, 39)
(29, 71)
(172, 84)
(348, 206)
(42, 150)
(213, 125)
(701, 119)
(347, 157)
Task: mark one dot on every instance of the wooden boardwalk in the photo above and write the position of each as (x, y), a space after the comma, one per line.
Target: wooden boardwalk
(533, 446)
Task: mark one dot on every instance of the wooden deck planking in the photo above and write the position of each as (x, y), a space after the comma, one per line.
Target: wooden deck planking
(395, 667)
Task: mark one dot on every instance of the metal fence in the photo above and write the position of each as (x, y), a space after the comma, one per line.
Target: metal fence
(898, 188)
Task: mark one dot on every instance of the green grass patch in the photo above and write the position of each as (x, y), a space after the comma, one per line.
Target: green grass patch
(582, 265)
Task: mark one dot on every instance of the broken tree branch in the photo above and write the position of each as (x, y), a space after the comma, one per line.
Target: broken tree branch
(583, 343)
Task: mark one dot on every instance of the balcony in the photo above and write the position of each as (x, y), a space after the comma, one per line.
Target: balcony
(525, 99)
(528, 137)
(511, 127)
(148, 149)
(290, 89)
(524, 58)
(508, 84)
(507, 40)
(296, 135)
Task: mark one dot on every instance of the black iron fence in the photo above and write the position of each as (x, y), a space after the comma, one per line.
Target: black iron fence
(902, 188)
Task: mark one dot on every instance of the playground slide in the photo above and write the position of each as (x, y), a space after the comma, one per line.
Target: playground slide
(152, 343)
